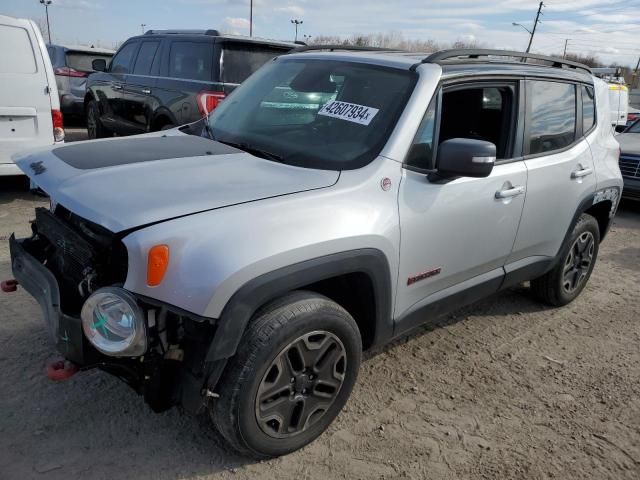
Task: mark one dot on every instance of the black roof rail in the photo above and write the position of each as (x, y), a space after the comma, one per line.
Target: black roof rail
(333, 48)
(475, 53)
(210, 32)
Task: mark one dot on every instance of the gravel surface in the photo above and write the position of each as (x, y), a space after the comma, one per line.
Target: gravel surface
(506, 388)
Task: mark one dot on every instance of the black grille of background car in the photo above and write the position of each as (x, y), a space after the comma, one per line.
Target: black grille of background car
(630, 166)
(82, 256)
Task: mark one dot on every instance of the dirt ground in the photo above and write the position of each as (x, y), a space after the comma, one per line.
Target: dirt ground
(504, 389)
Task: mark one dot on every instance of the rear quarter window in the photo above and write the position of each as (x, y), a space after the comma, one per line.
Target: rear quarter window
(239, 61)
(191, 60)
(17, 52)
(588, 108)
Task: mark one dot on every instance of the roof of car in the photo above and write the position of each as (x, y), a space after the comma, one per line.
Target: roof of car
(216, 34)
(84, 49)
(489, 62)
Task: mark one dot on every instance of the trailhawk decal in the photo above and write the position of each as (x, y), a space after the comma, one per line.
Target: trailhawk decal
(351, 112)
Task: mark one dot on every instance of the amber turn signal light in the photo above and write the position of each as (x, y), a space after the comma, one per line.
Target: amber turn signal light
(157, 264)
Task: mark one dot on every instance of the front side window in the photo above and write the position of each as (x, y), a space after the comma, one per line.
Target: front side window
(588, 109)
(551, 116)
(475, 112)
(121, 63)
(319, 114)
(191, 60)
(239, 60)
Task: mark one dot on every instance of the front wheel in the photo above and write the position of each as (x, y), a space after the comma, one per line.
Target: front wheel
(293, 372)
(95, 129)
(576, 261)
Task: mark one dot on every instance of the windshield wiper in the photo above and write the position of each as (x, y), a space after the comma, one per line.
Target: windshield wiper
(258, 152)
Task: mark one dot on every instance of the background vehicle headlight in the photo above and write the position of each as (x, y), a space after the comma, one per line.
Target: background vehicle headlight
(114, 323)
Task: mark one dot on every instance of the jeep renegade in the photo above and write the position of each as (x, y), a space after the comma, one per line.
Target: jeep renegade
(340, 197)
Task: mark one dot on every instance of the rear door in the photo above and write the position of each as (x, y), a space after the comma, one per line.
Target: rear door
(25, 104)
(139, 99)
(187, 72)
(559, 164)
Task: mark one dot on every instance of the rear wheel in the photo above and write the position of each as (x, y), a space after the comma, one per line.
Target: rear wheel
(94, 125)
(577, 259)
(293, 372)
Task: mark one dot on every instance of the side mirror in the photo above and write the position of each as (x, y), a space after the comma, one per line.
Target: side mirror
(99, 65)
(465, 157)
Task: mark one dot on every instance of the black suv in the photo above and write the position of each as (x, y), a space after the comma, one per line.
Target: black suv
(166, 78)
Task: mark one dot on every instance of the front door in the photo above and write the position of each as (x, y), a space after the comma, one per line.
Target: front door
(457, 233)
(139, 99)
(112, 83)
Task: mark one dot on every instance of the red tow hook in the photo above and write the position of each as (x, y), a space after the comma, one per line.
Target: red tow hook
(9, 286)
(61, 370)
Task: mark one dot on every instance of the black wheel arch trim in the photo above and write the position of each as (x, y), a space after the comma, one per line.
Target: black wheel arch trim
(252, 295)
(611, 194)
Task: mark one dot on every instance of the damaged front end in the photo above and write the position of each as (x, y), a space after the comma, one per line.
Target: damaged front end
(75, 269)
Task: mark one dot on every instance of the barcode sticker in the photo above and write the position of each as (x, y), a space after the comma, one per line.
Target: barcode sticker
(350, 112)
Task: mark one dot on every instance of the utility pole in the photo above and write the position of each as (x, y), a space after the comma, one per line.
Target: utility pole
(635, 75)
(142, 25)
(46, 4)
(566, 40)
(535, 24)
(251, 18)
(297, 22)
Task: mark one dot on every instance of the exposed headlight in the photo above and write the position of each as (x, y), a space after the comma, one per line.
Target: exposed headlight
(114, 323)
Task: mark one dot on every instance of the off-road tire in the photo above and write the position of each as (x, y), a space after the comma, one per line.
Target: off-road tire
(550, 287)
(270, 333)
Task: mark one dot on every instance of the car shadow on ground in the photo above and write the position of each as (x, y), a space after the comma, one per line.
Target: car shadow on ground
(517, 300)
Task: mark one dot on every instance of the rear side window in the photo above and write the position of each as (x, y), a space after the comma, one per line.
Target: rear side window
(145, 58)
(82, 61)
(551, 116)
(239, 61)
(121, 63)
(191, 60)
(21, 59)
(588, 109)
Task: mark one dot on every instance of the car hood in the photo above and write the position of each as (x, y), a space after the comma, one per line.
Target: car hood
(629, 143)
(126, 183)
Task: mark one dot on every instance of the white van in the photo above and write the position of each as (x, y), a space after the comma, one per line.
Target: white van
(29, 106)
(618, 94)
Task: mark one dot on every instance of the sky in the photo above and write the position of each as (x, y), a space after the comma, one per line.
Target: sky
(607, 29)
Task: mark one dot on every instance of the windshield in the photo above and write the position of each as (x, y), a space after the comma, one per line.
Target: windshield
(634, 128)
(314, 113)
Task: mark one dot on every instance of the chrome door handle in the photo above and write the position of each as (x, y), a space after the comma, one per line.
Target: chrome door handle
(511, 192)
(116, 86)
(146, 91)
(581, 173)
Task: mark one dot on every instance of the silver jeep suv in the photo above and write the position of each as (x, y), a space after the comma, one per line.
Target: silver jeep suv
(240, 265)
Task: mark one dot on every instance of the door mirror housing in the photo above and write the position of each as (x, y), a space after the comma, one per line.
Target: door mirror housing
(465, 157)
(99, 65)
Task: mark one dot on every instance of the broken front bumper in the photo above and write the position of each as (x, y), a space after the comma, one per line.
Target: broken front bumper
(35, 278)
